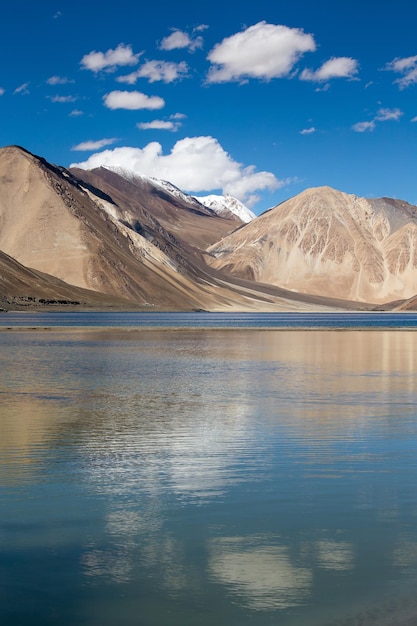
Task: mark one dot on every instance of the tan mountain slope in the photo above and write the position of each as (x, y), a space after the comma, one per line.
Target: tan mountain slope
(65, 227)
(21, 287)
(182, 216)
(330, 243)
(50, 223)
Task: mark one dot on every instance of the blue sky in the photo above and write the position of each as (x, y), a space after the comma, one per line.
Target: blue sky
(258, 100)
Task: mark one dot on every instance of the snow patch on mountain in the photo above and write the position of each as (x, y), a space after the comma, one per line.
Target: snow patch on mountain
(220, 205)
(162, 184)
(227, 204)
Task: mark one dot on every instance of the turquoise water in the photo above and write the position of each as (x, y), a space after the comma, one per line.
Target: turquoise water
(156, 477)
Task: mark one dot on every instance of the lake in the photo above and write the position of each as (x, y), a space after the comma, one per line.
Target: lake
(200, 469)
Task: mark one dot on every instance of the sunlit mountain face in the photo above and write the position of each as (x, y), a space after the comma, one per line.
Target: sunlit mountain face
(141, 240)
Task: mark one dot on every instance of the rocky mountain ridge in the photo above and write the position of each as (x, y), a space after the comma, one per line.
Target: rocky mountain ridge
(218, 204)
(112, 237)
(129, 239)
(324, 241)
(227, 204)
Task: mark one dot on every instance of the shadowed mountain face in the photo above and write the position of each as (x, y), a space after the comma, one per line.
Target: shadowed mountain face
(330, 243)
(183, 217)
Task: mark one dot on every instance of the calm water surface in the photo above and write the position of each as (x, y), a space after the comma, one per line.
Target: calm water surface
(208, 477)
(205, 319)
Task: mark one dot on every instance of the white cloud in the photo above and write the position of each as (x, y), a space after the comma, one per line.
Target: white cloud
(249, 182)
(308, 131)
(362, 127)
(336, 67)
(132, 100)
(388, 114)
(63, 99)
(402, 65)
(110, 60)
(157, 71)
(414, 119)
(180, 39)
(2, 91)
(159, 125)
(76, 113)
(200, 28)
(59, 80)
(129, 79)
(22, 89)
(324, 87)
(383, 115)
(194, 164)
(407, 67)
(94, 145)
(262, 51)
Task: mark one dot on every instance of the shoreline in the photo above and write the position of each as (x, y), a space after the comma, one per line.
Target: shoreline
(142, 329)
(128, 321)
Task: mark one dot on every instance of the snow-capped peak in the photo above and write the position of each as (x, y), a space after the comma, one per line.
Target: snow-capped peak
(221, 205)
(162, 184)
(225, 204)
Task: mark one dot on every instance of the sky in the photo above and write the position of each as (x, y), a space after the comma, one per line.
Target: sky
(257, 100)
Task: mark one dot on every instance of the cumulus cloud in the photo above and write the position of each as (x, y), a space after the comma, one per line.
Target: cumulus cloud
(110, 60)
(154, 71)
(262, 51)
(159, 125)
(58, 80)
(94, 145)
(336, 67)
(407, 67)
(179, 39)
(132, 100)
(308, 131)
(194, 164)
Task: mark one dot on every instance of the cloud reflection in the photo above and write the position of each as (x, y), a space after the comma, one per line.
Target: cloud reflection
(335, 555)
(263, 576)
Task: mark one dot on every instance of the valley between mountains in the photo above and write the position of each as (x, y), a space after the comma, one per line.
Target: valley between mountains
(107, 238)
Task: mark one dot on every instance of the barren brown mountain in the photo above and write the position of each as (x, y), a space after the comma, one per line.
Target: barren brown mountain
(51, 223)
(22, 287)
(183, 217)
(122, 239)
(330, 243)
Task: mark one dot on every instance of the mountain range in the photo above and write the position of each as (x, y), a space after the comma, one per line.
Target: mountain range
(110, 238)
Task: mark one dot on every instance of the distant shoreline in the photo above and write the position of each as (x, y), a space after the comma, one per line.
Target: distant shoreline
(178, 329)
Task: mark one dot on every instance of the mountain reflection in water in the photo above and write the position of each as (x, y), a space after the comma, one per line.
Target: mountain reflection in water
(201, 476)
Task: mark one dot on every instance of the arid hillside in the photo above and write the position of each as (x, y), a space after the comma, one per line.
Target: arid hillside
(100, 232)
(328, 243)
(182, 216)
(22, 287)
